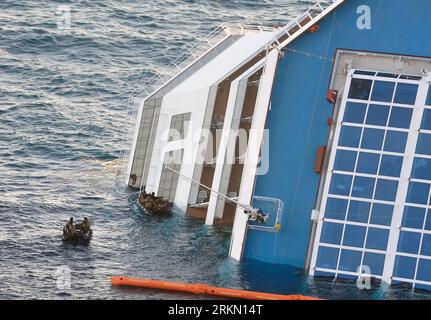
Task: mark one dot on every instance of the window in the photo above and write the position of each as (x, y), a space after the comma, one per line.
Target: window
(377, 239)
(386, 190)
(406, 93)
(422, 169)
(354, 236)
(391, 166)
(363, 187)
(383, 91)
(424, 144)
(413, 217)
(424, 268)
(179, 126)
(405, 267)
(429, 97)
(327, 258)
(381, 214)
(375, 261)
(426, 245)
(426, 120)
(355, 112)
(345, 160)
(360, 89)
(418, 193)
(368, 163)
(359, 211)
(369, 151)
(378, 115)
(428, 221)
(331, 233)
(350, 260)
(350, 136)
(395, 141)
(341, 184)
(336, 209)
(409, 242)
(373, 139)
(401, 117)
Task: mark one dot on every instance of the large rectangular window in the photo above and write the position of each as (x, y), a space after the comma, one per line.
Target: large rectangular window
(179, 126)
(366, 181)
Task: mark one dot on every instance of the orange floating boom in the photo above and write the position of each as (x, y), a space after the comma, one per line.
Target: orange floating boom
(203, 289)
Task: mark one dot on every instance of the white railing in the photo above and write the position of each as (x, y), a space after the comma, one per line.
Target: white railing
(194, 52)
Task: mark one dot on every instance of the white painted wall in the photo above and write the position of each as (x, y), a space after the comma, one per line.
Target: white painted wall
(252, 155)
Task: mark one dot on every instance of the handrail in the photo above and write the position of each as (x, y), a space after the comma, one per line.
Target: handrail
(193, 53)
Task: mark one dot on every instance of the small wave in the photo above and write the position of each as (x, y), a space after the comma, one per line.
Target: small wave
(3, 52)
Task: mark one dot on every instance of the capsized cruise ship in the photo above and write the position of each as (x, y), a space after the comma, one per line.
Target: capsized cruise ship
(312, 140)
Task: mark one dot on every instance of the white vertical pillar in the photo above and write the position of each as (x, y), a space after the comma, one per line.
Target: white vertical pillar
(406, 170)
(252, 154)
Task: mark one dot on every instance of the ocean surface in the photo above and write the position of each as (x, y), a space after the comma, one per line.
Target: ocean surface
(63, 89)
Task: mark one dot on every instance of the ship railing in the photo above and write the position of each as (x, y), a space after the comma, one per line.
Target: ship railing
(193, 53)
(272, 207)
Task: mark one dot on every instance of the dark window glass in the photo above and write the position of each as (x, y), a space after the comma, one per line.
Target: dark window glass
(336, 209)
(350, 260)
(383, 91)
(424, 144)
(406, 93)
(355, 112)
(350, 136)
(401, 117)
(359, 211)
(363, 187)
(391, 166)
(395, 141)
(365, 73)
(405, 267)
(409, 242)
(327, 258)
(331, 233)
(375, 262)
(428, 221)
(413, 217)
(426, 120)
(360, 89)
(386, 190)
(340, 184)
(373, 139)
(429, 97)
(354, 236)
(387, 75)
(426, 245)
(345, 160)
(378, 115)
(422, 169)
(418, 193)
(407, 77)
(377, 239)
(424, 270)
(368, 163)
(381, 214)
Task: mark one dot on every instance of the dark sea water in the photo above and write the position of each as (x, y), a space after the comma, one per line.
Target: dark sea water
(62, 112)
